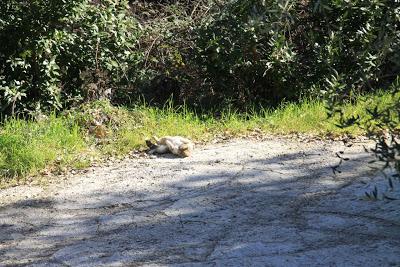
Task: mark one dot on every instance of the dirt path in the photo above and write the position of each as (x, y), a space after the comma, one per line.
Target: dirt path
(244, 203)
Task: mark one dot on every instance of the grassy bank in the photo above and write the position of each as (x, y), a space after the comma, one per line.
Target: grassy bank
(97, 130)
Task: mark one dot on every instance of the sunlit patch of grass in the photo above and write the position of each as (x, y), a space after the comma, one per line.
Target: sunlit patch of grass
(308, 116)
(27, 147)
(305, 117)
(159, 122)
(381, 100)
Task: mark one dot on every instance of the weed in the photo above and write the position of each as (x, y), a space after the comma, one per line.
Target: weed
(27, 147)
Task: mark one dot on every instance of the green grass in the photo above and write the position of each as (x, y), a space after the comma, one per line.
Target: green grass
(27, 147)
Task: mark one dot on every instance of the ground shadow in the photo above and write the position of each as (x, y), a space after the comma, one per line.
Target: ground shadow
(281, 209)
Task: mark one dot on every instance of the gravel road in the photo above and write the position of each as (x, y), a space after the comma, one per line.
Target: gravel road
(274, 202)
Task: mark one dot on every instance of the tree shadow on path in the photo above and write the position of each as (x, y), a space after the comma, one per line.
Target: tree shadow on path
(244, 209)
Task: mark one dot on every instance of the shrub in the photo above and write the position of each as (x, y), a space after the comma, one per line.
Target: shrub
(356, 45)
(267, 51)
(358, 50)
(56, 53)
(247, 52)
(168, 42)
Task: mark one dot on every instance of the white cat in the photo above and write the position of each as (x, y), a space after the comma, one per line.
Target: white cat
(177, 145)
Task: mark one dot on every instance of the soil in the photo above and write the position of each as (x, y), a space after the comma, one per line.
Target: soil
(275, 202)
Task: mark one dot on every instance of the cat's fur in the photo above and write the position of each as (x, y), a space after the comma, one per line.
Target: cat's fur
(177, 145)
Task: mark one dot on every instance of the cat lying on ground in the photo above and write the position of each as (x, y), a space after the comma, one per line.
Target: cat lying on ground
(177, 145)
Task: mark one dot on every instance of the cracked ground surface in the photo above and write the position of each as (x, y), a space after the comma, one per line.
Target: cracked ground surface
(244, 203)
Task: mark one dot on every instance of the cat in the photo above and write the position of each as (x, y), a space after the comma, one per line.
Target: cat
(176, 145)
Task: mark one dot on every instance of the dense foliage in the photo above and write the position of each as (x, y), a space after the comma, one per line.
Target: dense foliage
(57, 52)
(273, 50)
(207, 53)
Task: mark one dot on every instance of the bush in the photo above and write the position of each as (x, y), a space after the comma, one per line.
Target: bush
(358, 50)
(207, 53)
(57, 53)
(247, 53)
(267, 51)
(168, 42)
(356, 45)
